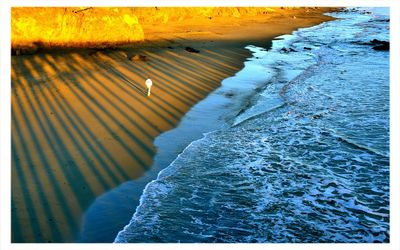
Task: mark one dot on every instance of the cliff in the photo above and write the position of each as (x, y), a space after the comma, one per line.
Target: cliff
(73, 27)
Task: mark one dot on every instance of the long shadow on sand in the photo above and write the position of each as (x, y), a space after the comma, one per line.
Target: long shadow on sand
(80, 128)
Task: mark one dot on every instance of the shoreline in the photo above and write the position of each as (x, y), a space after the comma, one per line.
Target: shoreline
(199, 120)
(89, 131)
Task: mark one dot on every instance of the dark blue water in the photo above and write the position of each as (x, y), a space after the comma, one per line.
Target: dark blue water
(307, 161)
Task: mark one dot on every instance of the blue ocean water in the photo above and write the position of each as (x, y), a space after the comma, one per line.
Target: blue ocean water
(306, 161)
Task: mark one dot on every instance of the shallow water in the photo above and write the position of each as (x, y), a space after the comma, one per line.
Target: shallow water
(306, 161)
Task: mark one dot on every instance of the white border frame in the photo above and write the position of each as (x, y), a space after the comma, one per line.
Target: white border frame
(5, 121)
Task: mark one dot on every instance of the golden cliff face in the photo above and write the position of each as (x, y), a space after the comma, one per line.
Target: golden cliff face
(73, 27)
(102, 27)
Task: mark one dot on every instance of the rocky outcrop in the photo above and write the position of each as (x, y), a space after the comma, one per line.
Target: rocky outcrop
(376, 44)
(380, 45)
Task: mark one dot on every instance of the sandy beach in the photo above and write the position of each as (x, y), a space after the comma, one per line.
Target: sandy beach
(82, 123)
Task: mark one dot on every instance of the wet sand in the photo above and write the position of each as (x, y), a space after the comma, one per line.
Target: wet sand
(82, 123)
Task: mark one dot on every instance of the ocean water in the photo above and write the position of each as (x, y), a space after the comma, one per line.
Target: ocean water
(307, 160)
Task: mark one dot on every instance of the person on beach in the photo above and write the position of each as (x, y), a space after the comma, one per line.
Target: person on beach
(148, 83)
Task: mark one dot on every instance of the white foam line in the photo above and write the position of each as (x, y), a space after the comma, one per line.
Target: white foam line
(259, 114)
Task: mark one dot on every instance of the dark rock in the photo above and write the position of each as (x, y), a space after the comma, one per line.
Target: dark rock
(307, 48)
(384, 20)
(377, 44)
(138, 58)
(229, 94)
(191, 50)
(317, 116)
(287, 50)
(382, 47)
(169, 47)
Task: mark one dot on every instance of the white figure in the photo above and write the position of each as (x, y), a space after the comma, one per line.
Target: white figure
(149, 83)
